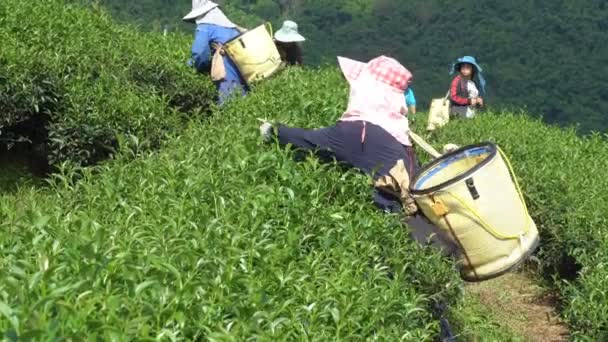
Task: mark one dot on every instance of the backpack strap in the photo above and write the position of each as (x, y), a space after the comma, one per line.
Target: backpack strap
(218, 47)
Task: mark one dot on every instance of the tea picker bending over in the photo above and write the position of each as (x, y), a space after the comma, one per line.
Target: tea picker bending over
(372, 135)
(214, 29)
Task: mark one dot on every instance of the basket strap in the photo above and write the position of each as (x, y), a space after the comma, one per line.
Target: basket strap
(447, 97)
(218, 47)
(269, 27)
(423, 144)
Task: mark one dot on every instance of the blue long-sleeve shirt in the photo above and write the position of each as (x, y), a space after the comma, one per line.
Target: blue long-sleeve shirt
(201, 50)
(410, 99)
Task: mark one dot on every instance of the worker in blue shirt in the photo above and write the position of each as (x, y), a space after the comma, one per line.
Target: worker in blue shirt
(410, 100)
(212, 26)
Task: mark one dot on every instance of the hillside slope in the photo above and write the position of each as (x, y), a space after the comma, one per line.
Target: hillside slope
(75, 83)
(219, 236)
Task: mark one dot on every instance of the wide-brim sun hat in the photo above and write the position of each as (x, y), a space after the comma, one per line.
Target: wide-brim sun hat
(478, 70)
(382, 69)
(199, 8)
(289, 33)
(466, 60)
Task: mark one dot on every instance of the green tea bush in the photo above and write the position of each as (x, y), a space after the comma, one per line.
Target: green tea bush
(562, 176)
(87, 81)
(218, 236)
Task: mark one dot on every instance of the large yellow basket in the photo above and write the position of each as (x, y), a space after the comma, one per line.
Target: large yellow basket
(473, 195)
(255, 54)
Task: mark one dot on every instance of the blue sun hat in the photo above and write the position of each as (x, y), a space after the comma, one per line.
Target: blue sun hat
(478, 71)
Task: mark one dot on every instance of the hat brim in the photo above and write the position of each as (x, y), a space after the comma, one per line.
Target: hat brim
(284, 37)
(351, 69)
(461, 61)
(197, 12)
(457, 65)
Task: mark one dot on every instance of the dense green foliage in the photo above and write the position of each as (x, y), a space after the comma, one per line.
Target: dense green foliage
(74, 81)
(547, 56)
(219, 236)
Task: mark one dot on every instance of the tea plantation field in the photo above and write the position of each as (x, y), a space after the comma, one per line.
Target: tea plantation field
(76, 84)
(218, 236)
(195, 230)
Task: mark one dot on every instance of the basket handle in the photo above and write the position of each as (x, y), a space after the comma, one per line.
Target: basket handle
(268, 26)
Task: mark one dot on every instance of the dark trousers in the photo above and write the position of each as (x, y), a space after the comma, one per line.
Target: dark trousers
(375, 156)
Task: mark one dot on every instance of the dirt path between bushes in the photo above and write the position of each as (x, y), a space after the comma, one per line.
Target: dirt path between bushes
(516, 301)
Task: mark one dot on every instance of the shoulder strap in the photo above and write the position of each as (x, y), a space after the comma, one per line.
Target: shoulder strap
(218, 47)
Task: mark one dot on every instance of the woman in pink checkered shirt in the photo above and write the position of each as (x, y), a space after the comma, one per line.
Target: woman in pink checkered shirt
(372, 134)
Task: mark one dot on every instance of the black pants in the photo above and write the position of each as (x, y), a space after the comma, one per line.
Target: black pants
(375, 156)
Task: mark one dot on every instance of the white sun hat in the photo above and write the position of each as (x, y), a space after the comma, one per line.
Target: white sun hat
(289, 33)
(199, 7)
